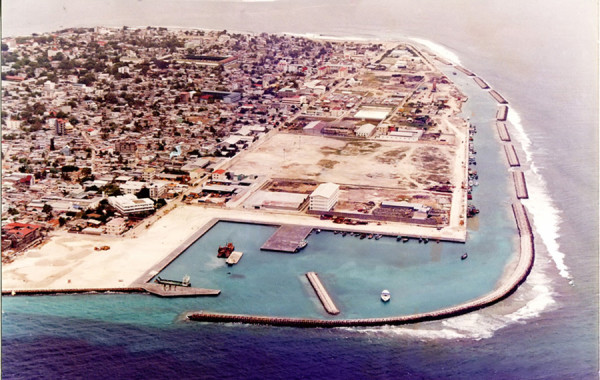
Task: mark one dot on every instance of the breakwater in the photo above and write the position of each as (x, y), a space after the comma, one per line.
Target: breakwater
(502, 131)
(322, 293)
(511, 155)
(31, 292)
(498, 97)
(481, 83)
(520, 185)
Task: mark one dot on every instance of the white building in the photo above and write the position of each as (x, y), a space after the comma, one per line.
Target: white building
(116, 226)
(157, 189)
(129, 204)
(365, 130)
(132, 187)
(324, 197)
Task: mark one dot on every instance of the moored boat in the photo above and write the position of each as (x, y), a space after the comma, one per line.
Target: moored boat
(385, 295)
(464, 256)
(224, 252)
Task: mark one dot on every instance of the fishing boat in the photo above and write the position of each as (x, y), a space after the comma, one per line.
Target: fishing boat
(385, 295)
(318, 230)
(464, 256)
(301, 245)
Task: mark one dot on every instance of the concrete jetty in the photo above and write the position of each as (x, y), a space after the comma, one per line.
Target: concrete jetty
(502, 131)
(498, 97)
(511, 155)
(322, 293)
(502, 113)
(481, 83)
(520, 185)
(32, 292)
(287, 238)
(465, 71)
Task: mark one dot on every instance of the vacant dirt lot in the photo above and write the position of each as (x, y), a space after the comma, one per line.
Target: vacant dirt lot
(404, 166)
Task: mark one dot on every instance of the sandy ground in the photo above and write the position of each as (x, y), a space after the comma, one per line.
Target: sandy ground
(405, 166)
(70, 261)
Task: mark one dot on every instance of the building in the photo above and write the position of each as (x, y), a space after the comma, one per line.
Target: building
(130, 204)
(124, 146)
(61, 126)
(219, 175)
(324, 197)
(157, 189)
(116, 226)
(132, 187)
(276, 200)
(365, 130)
(21, 235)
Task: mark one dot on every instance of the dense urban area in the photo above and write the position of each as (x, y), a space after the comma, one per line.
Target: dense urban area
(105, 129)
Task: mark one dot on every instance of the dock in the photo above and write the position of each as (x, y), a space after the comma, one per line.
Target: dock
(464, 71)
(502, 131)
(322, 293)
(498, 97)
(287, 238)
(502, 113)
(178, 291)
(481, 83)
(520, 185)
(511, 155)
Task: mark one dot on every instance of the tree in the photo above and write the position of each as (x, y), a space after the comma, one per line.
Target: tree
(143, 193)
(47, 209)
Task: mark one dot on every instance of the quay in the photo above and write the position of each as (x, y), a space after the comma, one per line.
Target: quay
(516, 278)
(511, 155)
(322, 293)
(287, 238)
(502, 131)
(481, 83)
(498, 97)
(502, 113)
(178, 291)
(520, 185)
(464, 71)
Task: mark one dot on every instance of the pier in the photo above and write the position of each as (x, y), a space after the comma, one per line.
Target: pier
(511, 155)
(322, 293)
(502, 131)
(502, 113)
(481, 83)
(498, 97)
(287, 238)
(464, 71)
(520, 185)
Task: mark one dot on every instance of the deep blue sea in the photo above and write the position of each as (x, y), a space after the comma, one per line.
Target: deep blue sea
(541, 55)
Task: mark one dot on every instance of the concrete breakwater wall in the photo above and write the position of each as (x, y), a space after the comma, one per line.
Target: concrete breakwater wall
(31, 292)
(508, 286)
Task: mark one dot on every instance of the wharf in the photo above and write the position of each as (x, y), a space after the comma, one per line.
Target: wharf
(178, 291)
(481, 83)
(287, 238)
(520, 185)
(502, 113)
(322, 293)
(498, 97)
(465, 71)
(511, 155)
(502, 131)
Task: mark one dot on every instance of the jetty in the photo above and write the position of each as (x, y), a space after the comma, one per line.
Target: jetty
(502, 131)
(511, 155)
(498, 97)
(520, 185)
(287, 238)
(324, 297)
(481, 83)
(464, 71)
(502, 113)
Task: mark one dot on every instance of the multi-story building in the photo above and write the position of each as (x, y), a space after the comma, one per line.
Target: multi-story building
(130, 204)
(324, 197)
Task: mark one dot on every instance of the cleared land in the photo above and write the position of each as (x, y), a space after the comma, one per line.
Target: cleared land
(404, 166)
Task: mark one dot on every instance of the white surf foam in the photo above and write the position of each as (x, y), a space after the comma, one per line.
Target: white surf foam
(438, 49)
(546, 216)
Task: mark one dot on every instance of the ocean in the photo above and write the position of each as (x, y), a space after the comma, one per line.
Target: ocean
(541, 56)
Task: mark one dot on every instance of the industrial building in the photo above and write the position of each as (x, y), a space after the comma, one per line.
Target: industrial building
(276, 200)
(324, 197)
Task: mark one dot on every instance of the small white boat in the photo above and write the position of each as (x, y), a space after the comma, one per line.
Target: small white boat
(385, 295)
